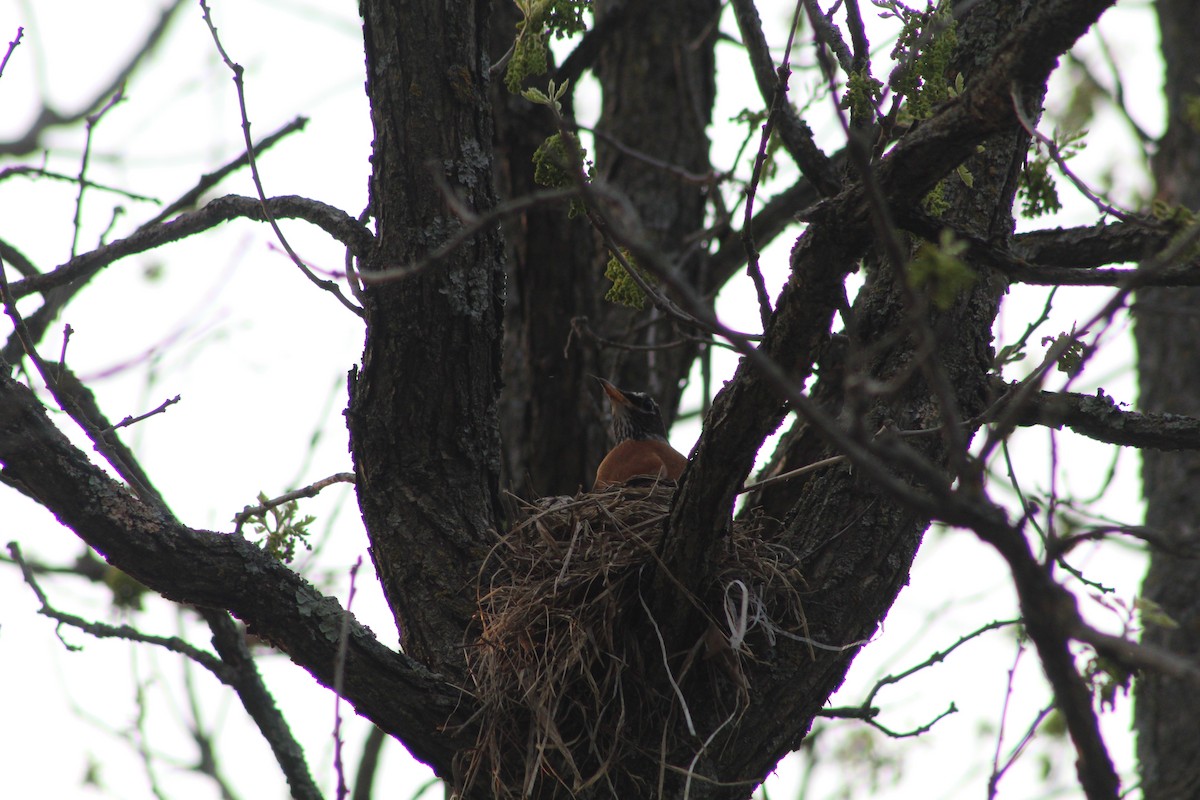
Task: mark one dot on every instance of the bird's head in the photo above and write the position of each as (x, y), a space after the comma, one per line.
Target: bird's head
(635, 415)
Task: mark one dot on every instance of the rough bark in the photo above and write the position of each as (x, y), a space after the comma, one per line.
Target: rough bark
(1168, 332)
(423, 407)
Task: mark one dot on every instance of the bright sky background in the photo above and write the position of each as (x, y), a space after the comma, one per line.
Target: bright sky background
(259, 357)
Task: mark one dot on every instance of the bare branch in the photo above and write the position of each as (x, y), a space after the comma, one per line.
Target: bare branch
(339, 674)
(239, 83)
(937, 657)
(388, 688)
(333, 221)
(11, 47)
(102, 630)
(368, 766)
(1136, 656)
(230, 644)
(92, 121)
(827, 33)
(1100, 417)
(796, 136)
(78, 402)
(1090, 246)
(131, 420)
(777, 102)
(31, 140)
(41, 172)
(189, 198)
(249, 512)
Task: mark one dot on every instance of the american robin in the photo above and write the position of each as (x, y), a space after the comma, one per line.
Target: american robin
(641, 447)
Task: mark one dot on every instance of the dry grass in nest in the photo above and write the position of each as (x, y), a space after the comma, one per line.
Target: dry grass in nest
(559, 669)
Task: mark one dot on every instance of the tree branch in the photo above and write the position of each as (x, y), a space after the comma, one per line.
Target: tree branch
(219, 571)
(796, 136)
(101, 630)
(1100, 417)
(31, 140)
(334, 221)
(1090, 246)
(230, 644)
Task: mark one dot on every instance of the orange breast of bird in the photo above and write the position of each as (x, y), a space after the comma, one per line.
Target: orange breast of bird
(639, 457)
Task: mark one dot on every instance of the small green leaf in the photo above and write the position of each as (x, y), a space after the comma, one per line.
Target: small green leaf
(282, 531)
(1070, 360)
(1152, 613)
(939, 271)
(535, 95)
(625, 290)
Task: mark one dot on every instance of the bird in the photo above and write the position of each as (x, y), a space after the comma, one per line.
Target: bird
(641, 448)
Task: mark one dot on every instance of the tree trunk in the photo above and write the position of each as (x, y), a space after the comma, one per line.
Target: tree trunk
(1168, 343)
(423, 407)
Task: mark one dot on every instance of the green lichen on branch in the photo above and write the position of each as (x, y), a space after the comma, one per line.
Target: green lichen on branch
(624, 289)
(1180, 219)
(552, 166)
(127, 592)
(936, 202)
(862, 94)
(1037, 189)
(540, 19)
(938, 270)
(922, 52)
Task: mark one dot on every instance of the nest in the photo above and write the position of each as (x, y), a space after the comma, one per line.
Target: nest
(562, 667)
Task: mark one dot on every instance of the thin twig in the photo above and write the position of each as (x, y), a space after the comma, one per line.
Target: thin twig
(113, 452)
(42, 172)
(131, 420)
(920, 730)
(339, 672)
(997, 770)
(778, 101)
(475, 223)
(239, 84)
(1056, 154)
(249, 512)
(937, 657)
(333, 221)
(1016, 752)
(793, 473)
(11, 47)
(189, 198)
(46, 117)
(92, 121)
(102, 630)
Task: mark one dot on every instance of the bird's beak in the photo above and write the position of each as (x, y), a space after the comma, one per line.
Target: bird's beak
(614, 394)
